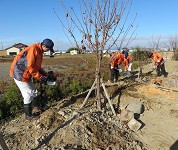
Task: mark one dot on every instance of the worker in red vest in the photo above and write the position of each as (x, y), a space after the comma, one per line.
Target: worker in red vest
(116, 59)
(158, 62)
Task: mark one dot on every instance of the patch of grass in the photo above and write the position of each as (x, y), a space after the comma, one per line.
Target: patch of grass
(10, 102)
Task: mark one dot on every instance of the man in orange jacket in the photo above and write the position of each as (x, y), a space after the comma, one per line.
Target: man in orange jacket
(27, 64)
(158, 63)
(116, 59)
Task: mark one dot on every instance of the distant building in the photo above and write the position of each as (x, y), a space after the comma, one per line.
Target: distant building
(47, 53)
(165, 49)
(106, 51)
(132, 50)
(15, 49)
(59, 53)
(74, 52)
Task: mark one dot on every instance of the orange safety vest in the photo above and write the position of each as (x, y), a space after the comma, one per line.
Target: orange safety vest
(116, 59)
(27, 63)
(157, 58)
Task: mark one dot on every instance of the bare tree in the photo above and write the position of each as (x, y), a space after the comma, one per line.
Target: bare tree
(173, 41)
(101, 25)
(155, 43)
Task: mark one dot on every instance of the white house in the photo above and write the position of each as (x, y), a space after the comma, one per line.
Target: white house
(15, 49)
(73, 52)
(12, 51)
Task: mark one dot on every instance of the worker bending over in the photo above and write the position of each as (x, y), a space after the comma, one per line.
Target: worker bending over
(158, 63)
(115, 61)
(27, 64)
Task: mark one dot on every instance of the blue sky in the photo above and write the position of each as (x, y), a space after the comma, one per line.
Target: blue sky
(30, 21)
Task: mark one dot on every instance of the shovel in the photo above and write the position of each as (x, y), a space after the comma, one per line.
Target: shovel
(127, 74)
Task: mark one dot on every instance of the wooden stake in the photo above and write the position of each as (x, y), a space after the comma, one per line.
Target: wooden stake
(106, 93)
(107, 96)
(140, 73)
(88, 94)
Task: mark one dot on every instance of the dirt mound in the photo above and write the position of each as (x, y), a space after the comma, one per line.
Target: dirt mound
(67, 129)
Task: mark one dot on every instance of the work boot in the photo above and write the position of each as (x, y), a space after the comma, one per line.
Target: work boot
(165, 74)
(159, 74)
(28, 112)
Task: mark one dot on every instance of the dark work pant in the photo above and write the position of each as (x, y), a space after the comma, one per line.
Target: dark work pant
(161, 70)
(114, 74)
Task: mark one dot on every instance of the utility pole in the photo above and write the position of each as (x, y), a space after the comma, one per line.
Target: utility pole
(1, 46)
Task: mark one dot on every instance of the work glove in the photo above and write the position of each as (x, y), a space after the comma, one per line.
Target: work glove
(154, 67)
(129, 69)
(52, 76)
(42, 72)
(120, 70)
(43, 79)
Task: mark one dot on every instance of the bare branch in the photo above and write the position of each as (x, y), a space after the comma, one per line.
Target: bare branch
(101, 25)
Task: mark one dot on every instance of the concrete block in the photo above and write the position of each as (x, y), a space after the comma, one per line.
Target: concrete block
(134, 125)
(136, 107)
(126, 115)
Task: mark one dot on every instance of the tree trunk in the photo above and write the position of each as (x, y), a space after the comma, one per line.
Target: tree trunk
(98, 83)
(174, 52)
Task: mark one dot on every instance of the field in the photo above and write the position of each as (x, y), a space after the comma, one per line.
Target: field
(67, 126)
(69, 68)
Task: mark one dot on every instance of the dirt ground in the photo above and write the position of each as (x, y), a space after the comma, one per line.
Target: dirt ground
(160, 117)
(65, 126)
(159, 131)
